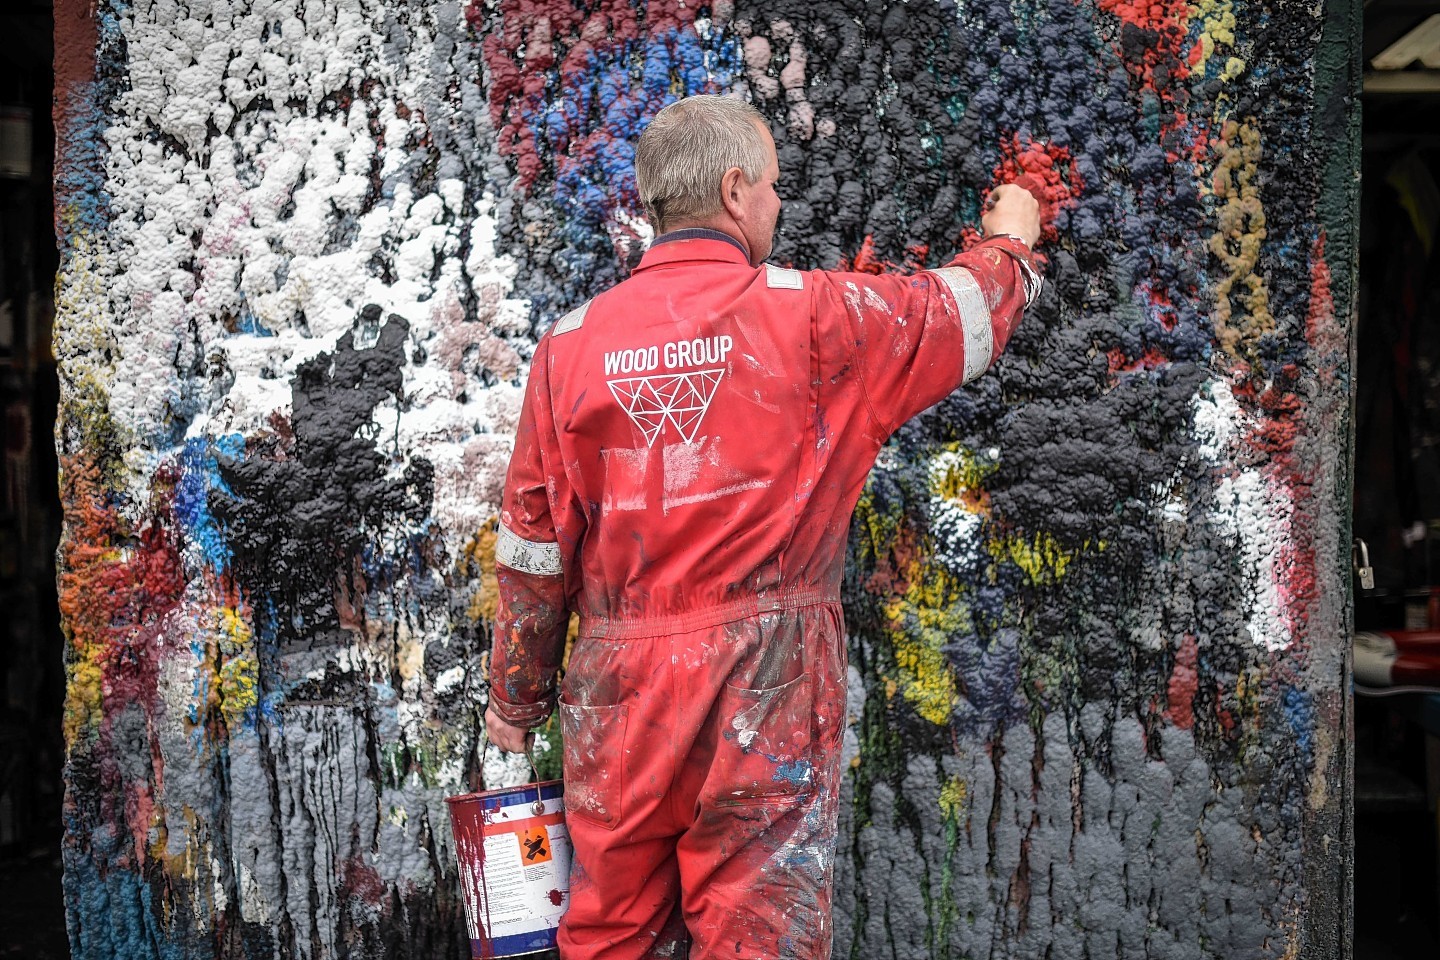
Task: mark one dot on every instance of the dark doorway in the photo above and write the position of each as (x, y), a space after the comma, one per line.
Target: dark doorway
(1397, 487)
(32, 680)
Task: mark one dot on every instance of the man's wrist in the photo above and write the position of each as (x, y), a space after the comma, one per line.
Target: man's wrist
(527, 715)
(998, 235)
(1030, 277)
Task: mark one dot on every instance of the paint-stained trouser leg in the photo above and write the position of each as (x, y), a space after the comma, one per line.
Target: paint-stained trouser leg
(629, 908)
(617, 717)
(757, 864)
(758, 878)
(702, 771)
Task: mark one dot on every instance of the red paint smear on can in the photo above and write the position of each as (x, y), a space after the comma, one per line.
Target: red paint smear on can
(469, 831)
(556, 897)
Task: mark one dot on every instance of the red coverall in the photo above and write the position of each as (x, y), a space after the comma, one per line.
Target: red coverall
(691, 448)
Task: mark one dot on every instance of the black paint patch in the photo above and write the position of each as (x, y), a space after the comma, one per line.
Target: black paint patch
(308, 500)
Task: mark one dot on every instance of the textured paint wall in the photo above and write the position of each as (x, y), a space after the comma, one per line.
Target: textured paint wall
(1098, 600)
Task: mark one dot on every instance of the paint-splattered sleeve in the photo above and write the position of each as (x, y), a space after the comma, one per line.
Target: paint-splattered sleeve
(530, 565)
(918, 337)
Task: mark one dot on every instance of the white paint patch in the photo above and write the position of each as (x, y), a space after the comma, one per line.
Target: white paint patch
(448, 680)
(854, 709)
(1251, 515)
(246, 252)
(956, 530)
(633, 466)
(957, 534)
(726, 491)
(1245, 514)
(1218, 420)
(682, 466)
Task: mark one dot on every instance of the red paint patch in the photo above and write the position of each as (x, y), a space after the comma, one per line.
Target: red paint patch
(1159, 31)
(524, 40)
(893, 566)
(1047, 171)
(1321, 330)
(1183, 680)
(1119, 363)
(556, 897)
(866, 261)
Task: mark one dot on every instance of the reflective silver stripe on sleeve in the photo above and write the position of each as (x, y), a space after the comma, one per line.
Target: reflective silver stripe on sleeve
(571, 320)
(541, 559)
(974, 319)
(1033, 281)
(782, 278)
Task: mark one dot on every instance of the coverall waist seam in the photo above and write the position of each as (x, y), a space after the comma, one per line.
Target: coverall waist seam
(608, 628)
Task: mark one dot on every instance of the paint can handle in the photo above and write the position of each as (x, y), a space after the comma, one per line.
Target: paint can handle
(538, 807)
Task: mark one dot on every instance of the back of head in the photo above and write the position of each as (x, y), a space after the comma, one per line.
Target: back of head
(685, 151)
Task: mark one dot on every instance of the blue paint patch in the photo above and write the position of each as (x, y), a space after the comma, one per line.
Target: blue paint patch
(111, 910)
(249, 323)
(200, 474)
(989, 677)
(797, 773)
(594, 161)
(1299, 708)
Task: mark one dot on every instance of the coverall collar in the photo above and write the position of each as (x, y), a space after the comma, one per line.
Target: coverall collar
(692, 243)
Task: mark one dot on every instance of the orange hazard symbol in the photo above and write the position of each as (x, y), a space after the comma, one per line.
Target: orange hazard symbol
(534, 846)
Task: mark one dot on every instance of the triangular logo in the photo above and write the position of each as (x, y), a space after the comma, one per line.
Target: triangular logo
(679, 399)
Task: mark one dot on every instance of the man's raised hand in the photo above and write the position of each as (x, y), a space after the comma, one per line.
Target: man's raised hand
(1014, 210)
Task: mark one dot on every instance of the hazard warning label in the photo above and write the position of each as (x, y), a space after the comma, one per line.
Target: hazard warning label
(534, 846)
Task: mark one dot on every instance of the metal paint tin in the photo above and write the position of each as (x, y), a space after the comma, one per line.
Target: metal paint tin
(514, 854)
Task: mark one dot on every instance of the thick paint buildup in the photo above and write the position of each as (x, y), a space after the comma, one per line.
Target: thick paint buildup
(1097, 599)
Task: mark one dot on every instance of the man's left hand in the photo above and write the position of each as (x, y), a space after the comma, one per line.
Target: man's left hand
(507, 736)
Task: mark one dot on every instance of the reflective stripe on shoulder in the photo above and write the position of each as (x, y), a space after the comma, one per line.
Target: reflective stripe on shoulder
(541, 559)
(783, 278)
(571, 320)
(974, 319)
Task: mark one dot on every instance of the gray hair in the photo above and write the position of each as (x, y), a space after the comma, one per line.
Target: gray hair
(685, 151)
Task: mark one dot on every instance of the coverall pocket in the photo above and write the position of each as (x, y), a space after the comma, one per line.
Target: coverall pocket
(594, 753)
(764, 748)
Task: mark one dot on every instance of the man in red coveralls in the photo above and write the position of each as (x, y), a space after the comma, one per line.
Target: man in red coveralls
(692, 445)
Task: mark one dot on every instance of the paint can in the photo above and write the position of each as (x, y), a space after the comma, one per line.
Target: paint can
(514, 853)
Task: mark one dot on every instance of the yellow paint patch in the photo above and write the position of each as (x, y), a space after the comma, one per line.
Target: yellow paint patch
(83, 694)
(235, 688)
(410, 658)
(920, 623)
(1217, 28)
(958, 476)
(1242, 301)
(477, 563)
(1041, 557)
(953, 799)
(239, 688)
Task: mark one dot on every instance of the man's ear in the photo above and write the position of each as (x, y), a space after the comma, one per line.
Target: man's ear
(732, 194)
